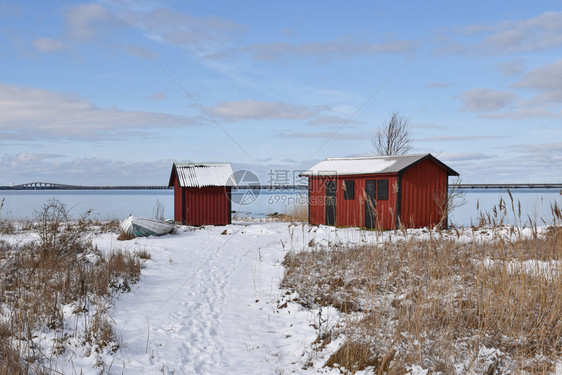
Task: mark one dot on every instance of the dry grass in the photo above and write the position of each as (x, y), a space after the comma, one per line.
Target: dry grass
(297, 213)
(108, 226)
(6, 227)
(144, 254)
(125, 237)
(62, 268)
(449, 306)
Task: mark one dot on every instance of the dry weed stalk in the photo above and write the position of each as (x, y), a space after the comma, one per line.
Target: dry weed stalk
(449, 200)
(6, 226)
(297, 213)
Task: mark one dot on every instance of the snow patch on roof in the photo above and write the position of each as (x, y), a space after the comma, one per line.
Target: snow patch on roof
(205, 174)
(330, 167)
(371, 165)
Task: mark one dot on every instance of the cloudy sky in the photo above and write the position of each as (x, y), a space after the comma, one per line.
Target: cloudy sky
(112, 92)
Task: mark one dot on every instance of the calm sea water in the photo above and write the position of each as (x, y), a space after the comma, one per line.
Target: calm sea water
(535, 205)
(118, 204)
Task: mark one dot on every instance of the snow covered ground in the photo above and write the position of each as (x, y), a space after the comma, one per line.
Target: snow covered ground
(208, 302)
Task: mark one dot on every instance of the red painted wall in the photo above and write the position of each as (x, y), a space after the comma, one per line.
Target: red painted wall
(422, 185)
(386, 209)
(352, 212)
(177, 199)
(316, 193)
(208, 205)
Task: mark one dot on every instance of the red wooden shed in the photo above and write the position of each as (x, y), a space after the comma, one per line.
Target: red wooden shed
(202, 193)
(378, 192)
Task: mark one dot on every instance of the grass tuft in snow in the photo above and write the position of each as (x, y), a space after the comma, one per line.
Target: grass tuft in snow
(6, 226)
(296, 213)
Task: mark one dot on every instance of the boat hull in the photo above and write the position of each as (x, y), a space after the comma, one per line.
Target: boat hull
(135, 226)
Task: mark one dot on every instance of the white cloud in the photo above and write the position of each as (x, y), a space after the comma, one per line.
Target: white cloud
(92, 21)
(336, 49)
(86, 21)
(28, 167)
(457, 138)
(48, 45)
(288, 32)
(326, 120)
(33, 113)
(524, 113)
(158, 96)
(9, 9)
(139, 52)
(542, 148)
(204, 34)
(177, 28)
(468, 156)
(486, 100)
(533, 162)
(510, 68)
(427, 126)
(260, 110)
(540, 33)
(547, 80)
(327, 135)
(21, 159)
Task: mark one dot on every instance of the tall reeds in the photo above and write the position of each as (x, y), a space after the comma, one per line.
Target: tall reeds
(6, 227)
(41, 279)
(485, 300)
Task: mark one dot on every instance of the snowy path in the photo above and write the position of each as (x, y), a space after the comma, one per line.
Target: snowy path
(207, 304)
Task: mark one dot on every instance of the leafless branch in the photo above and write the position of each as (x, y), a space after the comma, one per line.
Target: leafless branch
(394, 137)
(448, 201)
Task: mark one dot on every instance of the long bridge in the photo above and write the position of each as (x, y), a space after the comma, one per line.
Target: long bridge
(55, 186)
(508, 186)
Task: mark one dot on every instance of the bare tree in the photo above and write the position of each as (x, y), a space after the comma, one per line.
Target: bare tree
(394, 137)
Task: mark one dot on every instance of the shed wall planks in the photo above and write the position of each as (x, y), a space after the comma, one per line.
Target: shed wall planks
(424, 187)
(205, 205)
(415, 194)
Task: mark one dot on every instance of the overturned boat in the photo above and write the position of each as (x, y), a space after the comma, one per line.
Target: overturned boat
(135, 226)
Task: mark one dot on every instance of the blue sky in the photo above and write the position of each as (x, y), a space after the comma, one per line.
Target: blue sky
(112, 92)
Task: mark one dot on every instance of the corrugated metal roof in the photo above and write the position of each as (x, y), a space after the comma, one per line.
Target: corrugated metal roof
(204, 174)
(369, 165)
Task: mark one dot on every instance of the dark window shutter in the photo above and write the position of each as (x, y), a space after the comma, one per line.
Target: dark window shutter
(382, 189)
(349, 190)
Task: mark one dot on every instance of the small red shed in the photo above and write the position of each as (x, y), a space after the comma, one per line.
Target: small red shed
(202, 193)
(378, 192)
